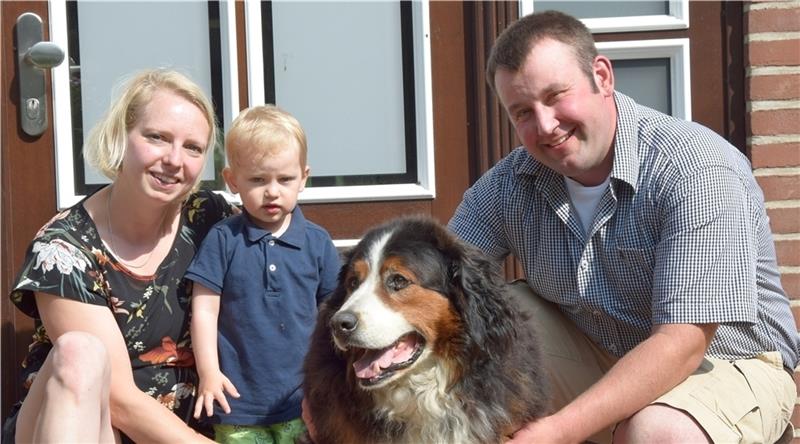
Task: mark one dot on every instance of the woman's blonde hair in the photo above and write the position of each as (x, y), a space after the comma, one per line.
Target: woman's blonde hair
(260, 131)
(105, 146)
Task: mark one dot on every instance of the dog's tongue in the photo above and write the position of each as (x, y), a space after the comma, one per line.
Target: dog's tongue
(373, 361)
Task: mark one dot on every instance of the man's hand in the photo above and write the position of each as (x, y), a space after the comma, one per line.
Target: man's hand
(543, 430)
(211, 389)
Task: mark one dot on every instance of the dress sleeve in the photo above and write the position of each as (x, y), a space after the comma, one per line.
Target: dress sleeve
(63, 261)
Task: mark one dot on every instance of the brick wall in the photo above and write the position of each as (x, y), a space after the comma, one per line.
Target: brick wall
(772, 63)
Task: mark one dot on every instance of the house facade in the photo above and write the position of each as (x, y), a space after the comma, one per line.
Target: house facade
(392, 94)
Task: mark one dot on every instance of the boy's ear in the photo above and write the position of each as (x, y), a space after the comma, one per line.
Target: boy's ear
(306, 172)
(227, 174)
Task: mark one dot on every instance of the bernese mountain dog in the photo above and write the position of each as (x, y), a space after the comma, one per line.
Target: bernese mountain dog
(420, 344)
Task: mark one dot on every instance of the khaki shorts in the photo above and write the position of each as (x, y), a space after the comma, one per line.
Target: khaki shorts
(748, 400)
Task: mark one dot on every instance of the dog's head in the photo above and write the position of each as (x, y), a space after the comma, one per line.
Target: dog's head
(411, 294)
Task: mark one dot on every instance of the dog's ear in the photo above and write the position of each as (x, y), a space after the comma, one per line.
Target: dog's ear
(479, 293)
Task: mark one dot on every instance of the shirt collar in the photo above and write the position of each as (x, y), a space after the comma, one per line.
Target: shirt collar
(626, 141)
(293, 236)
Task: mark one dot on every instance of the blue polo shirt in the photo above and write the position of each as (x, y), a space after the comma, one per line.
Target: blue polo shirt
(270, 289)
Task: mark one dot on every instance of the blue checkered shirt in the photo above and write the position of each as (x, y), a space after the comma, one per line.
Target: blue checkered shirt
(680, 236)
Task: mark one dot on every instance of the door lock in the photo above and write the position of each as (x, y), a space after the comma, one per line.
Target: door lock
(33, 57)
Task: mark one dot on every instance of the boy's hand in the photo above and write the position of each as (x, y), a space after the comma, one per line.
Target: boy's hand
(213, 388)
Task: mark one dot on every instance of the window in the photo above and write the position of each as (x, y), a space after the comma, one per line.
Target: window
(108, 40)
(365, 103)
(619, 16)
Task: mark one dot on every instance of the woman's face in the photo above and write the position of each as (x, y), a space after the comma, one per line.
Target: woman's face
(166, 148)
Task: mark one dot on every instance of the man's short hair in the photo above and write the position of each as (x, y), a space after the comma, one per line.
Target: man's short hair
(512, 47)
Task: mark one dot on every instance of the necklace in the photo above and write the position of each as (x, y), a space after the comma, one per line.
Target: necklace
(111, 236)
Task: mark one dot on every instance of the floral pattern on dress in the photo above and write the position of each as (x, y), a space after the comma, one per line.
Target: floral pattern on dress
(67, 258)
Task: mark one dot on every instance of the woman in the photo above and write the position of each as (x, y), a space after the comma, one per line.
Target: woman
(104, 278)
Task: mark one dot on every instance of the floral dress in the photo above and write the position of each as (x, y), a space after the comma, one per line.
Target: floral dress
(67, 258)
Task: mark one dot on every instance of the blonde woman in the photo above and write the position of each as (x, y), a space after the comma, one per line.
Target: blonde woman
(111, 359)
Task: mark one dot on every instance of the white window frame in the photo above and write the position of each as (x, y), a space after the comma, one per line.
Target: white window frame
(676, 50)
(678, 18)
(425, 189)
(62, 110)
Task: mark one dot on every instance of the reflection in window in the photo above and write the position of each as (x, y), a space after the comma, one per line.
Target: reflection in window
(346, 71)
(109, 40)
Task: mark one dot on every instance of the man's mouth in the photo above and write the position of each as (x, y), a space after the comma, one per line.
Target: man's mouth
(560, 140)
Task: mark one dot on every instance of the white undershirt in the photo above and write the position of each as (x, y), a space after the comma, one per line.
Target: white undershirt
(585, 200)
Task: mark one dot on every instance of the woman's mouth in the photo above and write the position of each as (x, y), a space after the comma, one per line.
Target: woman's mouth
(164, 180)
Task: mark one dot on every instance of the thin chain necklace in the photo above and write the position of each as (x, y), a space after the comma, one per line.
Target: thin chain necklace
(111, 236)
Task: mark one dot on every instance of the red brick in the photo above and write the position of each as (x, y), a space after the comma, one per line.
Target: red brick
(773, 20)
(775, 121)
(791, 285)
(796, 314)
(780, 187)
(775, 155)
(773, 53)
(784, 220)
(788, 253)
(773, 87)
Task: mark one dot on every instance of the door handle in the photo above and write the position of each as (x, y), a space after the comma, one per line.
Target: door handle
(33, 57)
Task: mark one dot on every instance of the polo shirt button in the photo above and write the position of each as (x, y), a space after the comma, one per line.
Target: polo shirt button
(283, 326)
(272, 267)
(271, 242)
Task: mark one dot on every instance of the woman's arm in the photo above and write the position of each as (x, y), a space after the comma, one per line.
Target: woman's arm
(133, 412)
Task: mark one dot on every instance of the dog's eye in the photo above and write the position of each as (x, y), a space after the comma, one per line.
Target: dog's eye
(396, 282)
(352, 284)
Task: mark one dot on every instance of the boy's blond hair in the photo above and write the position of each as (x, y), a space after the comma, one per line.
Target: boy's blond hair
(261, 131)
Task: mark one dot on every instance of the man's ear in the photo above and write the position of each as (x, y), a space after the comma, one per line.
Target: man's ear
(603, 75)
(227, 174)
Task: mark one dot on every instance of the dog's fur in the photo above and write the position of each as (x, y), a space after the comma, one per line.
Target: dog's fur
(418, 344)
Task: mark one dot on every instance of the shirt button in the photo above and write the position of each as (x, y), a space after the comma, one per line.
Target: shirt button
(272, 267)
(596, 313)
(584, 264)
(612, 348)
(271, 242)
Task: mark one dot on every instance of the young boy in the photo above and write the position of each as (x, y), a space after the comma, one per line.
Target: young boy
(258, 279)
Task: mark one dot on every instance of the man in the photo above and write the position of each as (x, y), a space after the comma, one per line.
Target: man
(648, 248)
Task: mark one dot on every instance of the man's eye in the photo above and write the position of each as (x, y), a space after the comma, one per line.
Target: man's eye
(396, 282)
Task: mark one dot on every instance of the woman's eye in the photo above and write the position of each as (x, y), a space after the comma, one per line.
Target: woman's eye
(397, 282)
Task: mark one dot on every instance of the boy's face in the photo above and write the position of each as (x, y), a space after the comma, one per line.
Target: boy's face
(269, 187)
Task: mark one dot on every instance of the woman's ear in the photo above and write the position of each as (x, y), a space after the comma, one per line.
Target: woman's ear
(603, 75)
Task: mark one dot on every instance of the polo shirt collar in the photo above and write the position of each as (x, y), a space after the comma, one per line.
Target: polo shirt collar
(294, 235)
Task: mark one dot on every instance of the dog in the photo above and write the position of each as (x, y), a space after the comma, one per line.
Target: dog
(419, 344)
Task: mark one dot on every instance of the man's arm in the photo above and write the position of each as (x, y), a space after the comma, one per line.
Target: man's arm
(659, 363)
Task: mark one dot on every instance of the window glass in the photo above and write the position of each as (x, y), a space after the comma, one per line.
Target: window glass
(646, 80)
(354, 96)
(109, 40)
(602, 9)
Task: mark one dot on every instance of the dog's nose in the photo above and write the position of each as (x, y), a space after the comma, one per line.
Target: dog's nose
(344, 322)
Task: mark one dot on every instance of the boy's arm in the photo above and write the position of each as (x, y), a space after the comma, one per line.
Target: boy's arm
(205, 311)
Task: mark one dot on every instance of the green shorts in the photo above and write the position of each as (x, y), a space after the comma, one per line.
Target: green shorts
(746, 401)
(280, 433)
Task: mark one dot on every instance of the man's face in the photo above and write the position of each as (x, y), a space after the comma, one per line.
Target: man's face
(565, 120)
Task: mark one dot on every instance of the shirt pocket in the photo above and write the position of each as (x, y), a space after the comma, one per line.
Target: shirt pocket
(632, 269)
